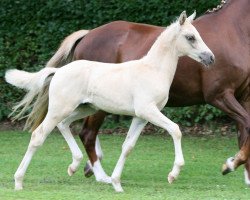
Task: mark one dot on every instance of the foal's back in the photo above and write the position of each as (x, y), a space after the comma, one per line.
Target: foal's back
(104, 85)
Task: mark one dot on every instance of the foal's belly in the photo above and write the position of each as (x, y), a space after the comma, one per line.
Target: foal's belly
(114, 105)
(112, 97)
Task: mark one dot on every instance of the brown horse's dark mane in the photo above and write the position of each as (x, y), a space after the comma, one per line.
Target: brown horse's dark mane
(222, 3)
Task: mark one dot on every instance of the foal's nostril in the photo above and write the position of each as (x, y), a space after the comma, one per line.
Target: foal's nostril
(212, 59)
(207, 58)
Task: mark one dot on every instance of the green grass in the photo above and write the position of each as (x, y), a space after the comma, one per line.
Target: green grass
(144, 175)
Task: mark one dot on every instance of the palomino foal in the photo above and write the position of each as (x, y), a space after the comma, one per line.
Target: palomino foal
(138, 88)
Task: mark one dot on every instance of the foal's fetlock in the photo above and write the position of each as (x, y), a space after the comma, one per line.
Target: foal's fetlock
(104, 179)
(116, 182)
(18, 182)
(75, 164)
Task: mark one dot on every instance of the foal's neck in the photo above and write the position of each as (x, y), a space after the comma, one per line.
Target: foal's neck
(163, 54)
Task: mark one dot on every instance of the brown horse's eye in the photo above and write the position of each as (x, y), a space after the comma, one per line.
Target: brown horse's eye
(190, 38)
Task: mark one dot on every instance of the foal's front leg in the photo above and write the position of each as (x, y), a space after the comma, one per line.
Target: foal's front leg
(152, 114)
(134, 131)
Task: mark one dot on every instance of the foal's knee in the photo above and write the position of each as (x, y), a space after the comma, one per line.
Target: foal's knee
(174, 131)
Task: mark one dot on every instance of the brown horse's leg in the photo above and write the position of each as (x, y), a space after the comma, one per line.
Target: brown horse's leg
(236, 111)
(247, 172)
(246, 139)
(88, 137)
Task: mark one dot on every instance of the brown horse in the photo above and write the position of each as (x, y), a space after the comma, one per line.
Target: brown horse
(226, 31)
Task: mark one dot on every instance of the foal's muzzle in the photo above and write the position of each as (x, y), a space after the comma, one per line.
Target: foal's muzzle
(207, 58)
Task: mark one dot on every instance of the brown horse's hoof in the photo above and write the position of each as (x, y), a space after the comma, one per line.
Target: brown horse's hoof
(88, 172)
(226, 169)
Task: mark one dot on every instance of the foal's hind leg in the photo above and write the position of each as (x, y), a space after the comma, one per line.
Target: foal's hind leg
(64, 128)
(37, 139)
(57, 111)
(81, 112)
(153, 115)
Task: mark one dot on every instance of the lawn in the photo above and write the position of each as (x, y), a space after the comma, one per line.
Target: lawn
(144, 176)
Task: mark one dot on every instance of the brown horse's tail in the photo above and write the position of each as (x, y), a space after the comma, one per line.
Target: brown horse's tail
(63, 56)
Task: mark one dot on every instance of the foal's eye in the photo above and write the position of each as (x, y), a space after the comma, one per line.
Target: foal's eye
(190, 38)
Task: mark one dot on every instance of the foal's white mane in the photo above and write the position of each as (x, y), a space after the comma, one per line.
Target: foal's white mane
(166, 40)
(165, 43)
(162, 43)
(163, 54)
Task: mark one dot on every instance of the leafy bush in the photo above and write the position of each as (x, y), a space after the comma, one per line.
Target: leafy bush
(32, 30)
(194, 114)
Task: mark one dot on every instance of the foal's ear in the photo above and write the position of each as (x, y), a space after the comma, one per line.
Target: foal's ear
(182, 18)
(191, 17)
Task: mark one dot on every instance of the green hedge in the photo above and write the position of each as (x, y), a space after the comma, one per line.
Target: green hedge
(30, 32)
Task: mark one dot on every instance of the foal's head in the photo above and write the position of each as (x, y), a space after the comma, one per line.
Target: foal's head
(189, 42)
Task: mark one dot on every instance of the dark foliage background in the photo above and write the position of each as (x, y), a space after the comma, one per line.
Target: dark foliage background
(31, 31)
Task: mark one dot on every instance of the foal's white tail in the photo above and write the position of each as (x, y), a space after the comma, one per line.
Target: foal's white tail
(32, 82)
(28, 81)
(35, 83)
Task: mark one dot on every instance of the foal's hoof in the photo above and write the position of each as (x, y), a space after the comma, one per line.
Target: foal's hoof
(88, 172)
(70, 171)
(171, 179)
(117, 185)
(18, 187)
